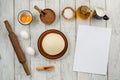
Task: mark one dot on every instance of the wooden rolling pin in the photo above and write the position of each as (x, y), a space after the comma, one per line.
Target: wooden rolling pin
(17, 48)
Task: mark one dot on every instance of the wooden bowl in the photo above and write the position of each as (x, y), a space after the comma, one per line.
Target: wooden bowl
(42, 50)
(49, 16)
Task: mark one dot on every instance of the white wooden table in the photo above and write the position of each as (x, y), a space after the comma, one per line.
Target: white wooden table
(11, 69)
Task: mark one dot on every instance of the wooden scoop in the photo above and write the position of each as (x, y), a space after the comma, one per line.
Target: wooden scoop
(48, 68)
(47, 16)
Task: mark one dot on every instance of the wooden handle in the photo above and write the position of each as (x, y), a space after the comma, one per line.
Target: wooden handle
(39, 10)
(26, 68)
(19, 52)
(49, 68)
(17, 48)
(8, 27)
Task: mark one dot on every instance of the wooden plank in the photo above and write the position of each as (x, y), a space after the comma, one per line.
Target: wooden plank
(36, 29)
(54, 75)
(114, 57)
(98, 23)
(6, 49)
(63, 65)
(19, 71)
(82, 76)
(68, 28)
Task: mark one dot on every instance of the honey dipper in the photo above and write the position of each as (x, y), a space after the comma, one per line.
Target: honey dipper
(17, 48)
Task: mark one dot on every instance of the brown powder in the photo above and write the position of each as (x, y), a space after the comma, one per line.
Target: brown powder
(49, 16)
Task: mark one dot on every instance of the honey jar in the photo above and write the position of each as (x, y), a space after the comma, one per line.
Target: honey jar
(84, 12)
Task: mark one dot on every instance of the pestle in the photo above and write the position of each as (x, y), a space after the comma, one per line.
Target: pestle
(17, 48)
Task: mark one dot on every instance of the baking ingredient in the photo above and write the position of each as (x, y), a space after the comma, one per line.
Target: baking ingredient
(68, 13)
(53, 44)
(24, 34)
(26, 18)
(47, 15)
(83, 12)
(30, 51)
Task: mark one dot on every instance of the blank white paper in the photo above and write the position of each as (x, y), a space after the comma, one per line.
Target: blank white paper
(92, 48)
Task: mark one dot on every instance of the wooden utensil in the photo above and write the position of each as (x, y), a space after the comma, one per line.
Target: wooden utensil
(48, 68)
(47, 15)
(17, 48)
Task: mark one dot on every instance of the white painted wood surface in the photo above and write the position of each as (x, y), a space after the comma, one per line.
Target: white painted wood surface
(11, 69)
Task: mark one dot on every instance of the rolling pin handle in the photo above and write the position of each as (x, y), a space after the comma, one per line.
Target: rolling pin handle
(26, 68)
(8, 27)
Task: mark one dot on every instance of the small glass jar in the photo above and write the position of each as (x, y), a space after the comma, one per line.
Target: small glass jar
(84, 12)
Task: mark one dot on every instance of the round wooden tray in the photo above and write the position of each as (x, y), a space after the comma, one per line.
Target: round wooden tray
(40, 48)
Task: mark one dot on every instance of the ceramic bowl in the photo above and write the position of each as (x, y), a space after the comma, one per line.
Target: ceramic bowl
(52, 44)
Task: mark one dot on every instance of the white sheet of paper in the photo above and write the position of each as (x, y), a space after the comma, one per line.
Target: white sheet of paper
(92, 48)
